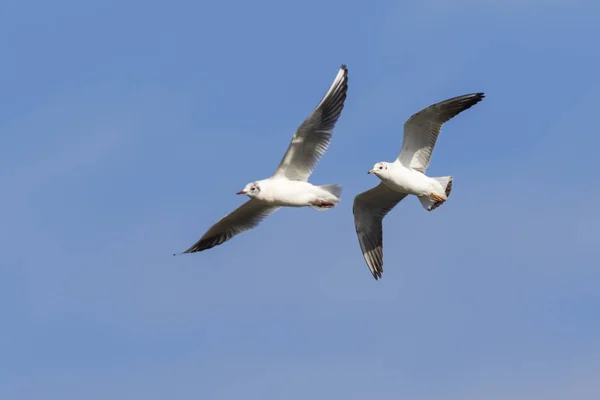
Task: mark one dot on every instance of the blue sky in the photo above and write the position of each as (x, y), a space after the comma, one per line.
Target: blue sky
(128, 126)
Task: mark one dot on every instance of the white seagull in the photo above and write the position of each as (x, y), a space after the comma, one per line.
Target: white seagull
(406, 176)
(289, 186)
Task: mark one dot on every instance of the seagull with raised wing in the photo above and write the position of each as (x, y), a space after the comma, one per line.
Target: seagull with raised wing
(289, 186)
(406, 176)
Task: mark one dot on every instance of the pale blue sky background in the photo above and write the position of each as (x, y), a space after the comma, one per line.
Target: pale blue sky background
(127, 126)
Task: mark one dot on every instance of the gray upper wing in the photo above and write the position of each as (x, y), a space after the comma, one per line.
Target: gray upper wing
(422, 129)
(312, 137)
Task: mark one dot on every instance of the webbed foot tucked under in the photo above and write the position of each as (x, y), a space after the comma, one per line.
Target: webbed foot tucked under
(324, 204)
(434, 199)
(320, 204)
(437, 201)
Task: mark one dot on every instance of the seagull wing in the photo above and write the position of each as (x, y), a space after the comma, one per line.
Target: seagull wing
(422, 129)
(369, 209)
(312, 137)
(243, 218)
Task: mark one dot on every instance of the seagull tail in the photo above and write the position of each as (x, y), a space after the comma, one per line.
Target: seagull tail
(431, 204)
(332, 195)
(335, 190)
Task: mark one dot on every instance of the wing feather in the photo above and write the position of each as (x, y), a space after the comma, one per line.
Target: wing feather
(423, 128)
(243, 218)
(369, 209)
(312, 138)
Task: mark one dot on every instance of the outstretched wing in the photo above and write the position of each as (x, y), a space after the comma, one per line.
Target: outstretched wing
(422, 129)
(243, 218)
(369, 209)
(312, 137)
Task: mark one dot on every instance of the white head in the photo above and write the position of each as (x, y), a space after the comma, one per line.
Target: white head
(251, 190)
(380, 169)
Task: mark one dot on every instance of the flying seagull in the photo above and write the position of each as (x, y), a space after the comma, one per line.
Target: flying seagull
(289, 186)
(406, 176)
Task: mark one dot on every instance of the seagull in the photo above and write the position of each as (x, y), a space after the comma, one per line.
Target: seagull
(289, 186)
(406, 176)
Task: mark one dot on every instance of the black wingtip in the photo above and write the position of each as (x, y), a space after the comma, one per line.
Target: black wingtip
(378, 272)
(345, 69)
(188, 251)
(474, 95)
(467, 100)
(479, 96)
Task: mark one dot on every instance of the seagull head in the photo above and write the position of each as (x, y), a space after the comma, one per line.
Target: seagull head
(379, 169)
(251, 190)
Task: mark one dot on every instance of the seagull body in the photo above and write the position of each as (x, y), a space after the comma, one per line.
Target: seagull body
(289, 186)
(406, 176)
(283, 192)
(409, 181)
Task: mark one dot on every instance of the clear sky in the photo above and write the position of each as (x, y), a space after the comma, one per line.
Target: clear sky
(127, 126)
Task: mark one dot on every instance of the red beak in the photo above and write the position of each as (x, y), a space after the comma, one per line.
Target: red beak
(241, 192)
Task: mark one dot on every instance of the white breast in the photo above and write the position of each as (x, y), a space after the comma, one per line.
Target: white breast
(407, 180)
(283, 192)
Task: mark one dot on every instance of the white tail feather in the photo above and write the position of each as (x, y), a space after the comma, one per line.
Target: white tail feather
(334, 189)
